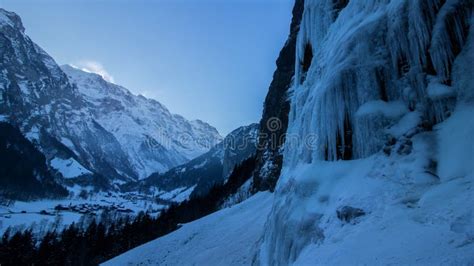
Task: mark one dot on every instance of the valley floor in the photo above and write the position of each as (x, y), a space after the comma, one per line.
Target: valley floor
(43, 215)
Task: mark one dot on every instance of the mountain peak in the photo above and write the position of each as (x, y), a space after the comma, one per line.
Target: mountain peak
(204, 125)
(77, 71)
(11, 19)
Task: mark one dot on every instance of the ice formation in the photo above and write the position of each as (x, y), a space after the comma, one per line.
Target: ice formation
(363, 51)
(373, 76)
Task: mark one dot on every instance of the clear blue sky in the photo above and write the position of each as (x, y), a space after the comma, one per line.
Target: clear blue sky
(208, 59)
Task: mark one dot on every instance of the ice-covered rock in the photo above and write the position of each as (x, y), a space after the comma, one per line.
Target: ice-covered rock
(369, 75)
(367, 54)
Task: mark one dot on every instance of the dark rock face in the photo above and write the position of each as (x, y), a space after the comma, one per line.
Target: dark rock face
(348, 214)
(276, 109)
(24, 174)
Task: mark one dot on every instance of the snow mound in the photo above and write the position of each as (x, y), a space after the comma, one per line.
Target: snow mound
(388, 109)
(437, 90)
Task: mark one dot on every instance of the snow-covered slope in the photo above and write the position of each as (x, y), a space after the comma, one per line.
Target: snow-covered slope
(203, 172)
(154, 139)
(69, 168)
(81, 117)
(227, 237)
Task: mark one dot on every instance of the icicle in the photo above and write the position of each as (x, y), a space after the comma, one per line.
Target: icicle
(368, 51)
(449, 34)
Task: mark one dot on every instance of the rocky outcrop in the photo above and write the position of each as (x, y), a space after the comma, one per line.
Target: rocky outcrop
(274, 120)
(348, 214)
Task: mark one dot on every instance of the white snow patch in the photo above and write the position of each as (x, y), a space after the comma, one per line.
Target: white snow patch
(24, 88)
(407, 122)
(438, 91)
(67, 142)
(184, 195)
(178, 195)
(33, 134)
(388, 109)
(69, 168)
(200, 165)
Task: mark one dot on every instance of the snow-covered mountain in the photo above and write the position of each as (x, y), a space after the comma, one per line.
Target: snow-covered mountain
(81, 121)
(377, 163)
(200, 174)
(153, 139)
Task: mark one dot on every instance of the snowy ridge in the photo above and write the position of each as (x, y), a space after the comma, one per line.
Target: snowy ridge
(10, 19)
(201, 173)
(155, 139)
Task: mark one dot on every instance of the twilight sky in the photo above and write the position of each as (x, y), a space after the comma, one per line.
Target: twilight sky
(206, 59)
